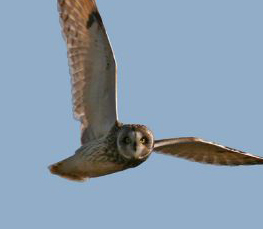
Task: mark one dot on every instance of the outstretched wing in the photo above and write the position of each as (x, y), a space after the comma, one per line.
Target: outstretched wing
(92, 67)
(199, 150)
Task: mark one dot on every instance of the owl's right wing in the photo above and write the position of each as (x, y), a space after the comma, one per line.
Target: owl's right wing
(92, 67)
(199, 150)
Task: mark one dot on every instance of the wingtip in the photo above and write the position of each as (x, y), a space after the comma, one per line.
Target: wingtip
(57, 170)
(53, 168)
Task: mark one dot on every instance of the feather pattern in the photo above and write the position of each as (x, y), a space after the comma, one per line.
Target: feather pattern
(92, 67)
(199, 150)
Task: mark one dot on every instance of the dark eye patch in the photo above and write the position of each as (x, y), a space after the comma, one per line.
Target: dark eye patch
(144, 140)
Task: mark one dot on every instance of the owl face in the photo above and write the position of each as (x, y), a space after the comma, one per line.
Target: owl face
(135, 141)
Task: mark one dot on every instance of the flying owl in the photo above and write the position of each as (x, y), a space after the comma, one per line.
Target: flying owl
(107, 145)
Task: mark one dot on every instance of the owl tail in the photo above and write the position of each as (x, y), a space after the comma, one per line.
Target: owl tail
(67, 169)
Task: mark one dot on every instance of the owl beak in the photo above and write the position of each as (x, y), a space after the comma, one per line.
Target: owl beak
(135, 146)
(139, 153)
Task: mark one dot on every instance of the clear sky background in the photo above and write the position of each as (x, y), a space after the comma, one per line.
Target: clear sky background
(185, 68)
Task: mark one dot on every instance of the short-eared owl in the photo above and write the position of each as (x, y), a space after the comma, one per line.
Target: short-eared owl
(109, 146)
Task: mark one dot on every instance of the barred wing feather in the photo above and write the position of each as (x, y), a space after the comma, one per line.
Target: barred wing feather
(199, 150)
(92, 67)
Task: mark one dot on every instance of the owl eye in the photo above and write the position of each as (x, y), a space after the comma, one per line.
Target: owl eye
(143, 140)
(127, 140)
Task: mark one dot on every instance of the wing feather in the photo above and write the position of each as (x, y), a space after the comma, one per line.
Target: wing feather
(92, 67)
(199, 150)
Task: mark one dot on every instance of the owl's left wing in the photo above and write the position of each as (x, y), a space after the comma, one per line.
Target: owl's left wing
(199, 150)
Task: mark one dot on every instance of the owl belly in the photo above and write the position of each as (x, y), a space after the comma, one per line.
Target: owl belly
(96, 169)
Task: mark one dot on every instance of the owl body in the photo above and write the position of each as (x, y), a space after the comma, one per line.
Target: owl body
(98, 157)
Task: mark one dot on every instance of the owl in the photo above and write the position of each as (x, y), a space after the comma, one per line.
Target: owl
(107, 145)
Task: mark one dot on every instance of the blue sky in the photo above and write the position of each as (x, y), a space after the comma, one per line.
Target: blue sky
(186, 68)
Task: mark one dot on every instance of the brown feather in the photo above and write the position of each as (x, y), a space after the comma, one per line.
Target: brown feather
(199, 150)
(92, 67)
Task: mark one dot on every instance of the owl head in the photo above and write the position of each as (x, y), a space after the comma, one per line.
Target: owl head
(135, 141)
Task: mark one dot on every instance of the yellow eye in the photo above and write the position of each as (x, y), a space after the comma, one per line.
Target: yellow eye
(143, 140)
(127, 140)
